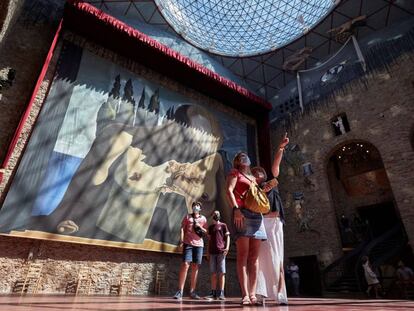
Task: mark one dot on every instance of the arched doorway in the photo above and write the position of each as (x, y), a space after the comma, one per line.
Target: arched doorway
(361, 193)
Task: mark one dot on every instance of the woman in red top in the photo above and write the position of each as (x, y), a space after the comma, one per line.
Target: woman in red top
(249, 226)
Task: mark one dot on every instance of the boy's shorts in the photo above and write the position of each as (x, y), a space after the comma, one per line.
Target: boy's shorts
(192, 254)
(217, 263)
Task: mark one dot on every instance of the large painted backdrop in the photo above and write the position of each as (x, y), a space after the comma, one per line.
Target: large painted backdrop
(117, 158)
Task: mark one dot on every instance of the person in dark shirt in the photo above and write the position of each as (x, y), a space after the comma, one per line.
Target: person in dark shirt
(218, 247)
(271, 275)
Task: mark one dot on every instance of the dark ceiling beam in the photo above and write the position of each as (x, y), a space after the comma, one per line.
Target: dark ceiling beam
(129, 6)
(377, 11)
(139, 12)
(306, 41)
(388, 14)
(273, 66)
(284, 74)
(232, 64)
(152, 15)
(264, 77)
(392, 2)
(243, 68)
(253, 80)
(321, 35)
(103, 4)
(318, 47)
(274, 77)
(254, 69)
(330, 38)
(283, 51)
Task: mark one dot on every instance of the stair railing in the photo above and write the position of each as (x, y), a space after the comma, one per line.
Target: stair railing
(336, 270)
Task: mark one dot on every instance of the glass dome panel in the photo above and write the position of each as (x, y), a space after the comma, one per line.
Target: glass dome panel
(243, 27)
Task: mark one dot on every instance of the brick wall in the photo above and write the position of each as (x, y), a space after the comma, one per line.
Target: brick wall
(383, 115)
(23, 48)
(62, 261)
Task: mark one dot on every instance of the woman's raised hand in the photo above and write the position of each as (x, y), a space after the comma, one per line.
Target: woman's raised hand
(284, 141)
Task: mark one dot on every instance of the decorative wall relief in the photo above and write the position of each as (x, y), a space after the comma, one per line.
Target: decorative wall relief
(309, 183)
(294, 158)
(301, 215)
(304, 215)
(347, 29)
(294, 61)
(307, 169)
(307, 172)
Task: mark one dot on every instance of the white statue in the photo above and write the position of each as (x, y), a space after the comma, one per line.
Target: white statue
(340, 124)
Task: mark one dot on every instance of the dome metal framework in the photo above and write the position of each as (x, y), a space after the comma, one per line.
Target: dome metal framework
(264, 74)
(243, 27)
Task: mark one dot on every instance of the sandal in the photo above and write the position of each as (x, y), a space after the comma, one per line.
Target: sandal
(254, 301)
(246, 301)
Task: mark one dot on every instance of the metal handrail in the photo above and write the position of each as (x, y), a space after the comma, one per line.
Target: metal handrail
(342, 260)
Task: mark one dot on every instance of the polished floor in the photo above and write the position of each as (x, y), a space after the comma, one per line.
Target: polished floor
(96, 303)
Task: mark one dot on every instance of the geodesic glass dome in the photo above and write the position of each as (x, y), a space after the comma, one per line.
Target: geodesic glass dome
(242, 27)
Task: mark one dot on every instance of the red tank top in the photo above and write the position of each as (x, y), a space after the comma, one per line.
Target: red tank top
(242, 185)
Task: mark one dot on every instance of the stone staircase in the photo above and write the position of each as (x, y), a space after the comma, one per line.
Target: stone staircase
(344, 277)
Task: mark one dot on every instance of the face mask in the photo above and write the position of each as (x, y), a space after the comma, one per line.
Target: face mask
(259, 177)
(245, 161)
(216, 217)
(196, 209)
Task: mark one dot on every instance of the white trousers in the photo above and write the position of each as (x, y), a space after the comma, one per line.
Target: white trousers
(271, 262)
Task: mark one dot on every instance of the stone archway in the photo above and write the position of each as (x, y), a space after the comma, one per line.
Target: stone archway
(360, 191)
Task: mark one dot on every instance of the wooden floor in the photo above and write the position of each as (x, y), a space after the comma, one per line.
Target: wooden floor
(129, 303)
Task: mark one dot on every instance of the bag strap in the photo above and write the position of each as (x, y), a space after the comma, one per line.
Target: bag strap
(243, 196)
(194, 219)
(247, 177)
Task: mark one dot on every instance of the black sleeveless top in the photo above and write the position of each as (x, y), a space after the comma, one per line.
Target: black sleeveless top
(276, 204)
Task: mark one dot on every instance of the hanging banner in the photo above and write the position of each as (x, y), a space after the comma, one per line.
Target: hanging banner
(336, 75)
(117, 159)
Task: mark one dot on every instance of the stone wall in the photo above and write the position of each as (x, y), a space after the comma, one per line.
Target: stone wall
(9, 11)
(381, 114)
(62, 262)
(24, 44)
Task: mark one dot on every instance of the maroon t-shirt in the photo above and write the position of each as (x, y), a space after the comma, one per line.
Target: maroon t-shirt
(218, 236)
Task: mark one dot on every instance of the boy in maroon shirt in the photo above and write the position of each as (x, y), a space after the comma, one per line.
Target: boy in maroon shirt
(218, 247)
